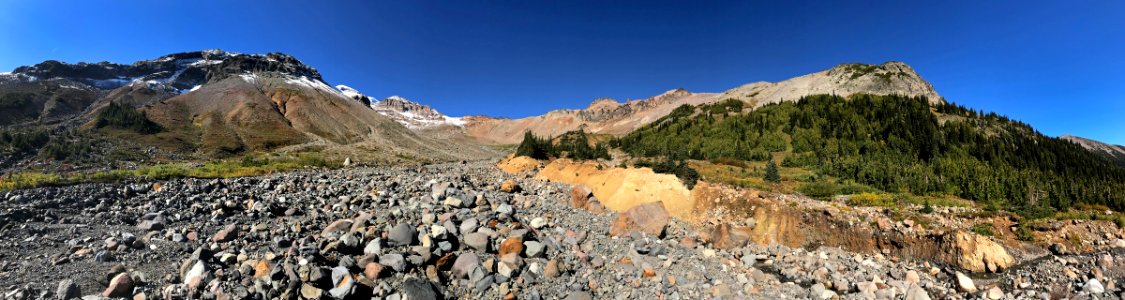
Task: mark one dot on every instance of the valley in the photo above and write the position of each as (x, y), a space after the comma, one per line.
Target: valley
(220, 175)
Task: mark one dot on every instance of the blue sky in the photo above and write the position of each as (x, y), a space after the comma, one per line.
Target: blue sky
(1058, 65)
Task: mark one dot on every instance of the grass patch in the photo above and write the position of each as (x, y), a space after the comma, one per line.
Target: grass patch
(230, 168)
(984, 229)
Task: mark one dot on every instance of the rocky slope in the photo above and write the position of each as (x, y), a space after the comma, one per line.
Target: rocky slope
(413, 114)
(608, 116)
(1115, 153)
(465, 231)
(215, 103)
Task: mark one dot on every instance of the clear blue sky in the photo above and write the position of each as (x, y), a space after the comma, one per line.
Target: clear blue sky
(1058, 65)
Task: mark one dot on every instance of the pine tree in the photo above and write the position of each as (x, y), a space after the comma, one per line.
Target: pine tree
(771, 172)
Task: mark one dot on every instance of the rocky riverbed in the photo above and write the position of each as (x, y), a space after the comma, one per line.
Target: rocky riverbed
(444, 231)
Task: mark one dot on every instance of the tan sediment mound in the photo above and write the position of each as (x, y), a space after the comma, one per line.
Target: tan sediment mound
(976, 253)
(620, 189)
(518, 164)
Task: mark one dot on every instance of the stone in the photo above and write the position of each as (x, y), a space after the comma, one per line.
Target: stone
(1058, 249)
(995, 293)
(418, 289)
(311, 292)
(372, 270)
(121, 286)
(342, 283)
(533, 248)
(509, 186)
(227, 234)
(649, 218)
(730, 237)
(196, 276)
(150, 225)
(373, 247)
(513, 245)
(912, 277)
(538, 223)
(916, 292)
(437, 231)
(1094, 287)
(1119, 243)
(465, 264)
(394, 261)
(552, 269)
(402, 235)
(338, 226)
(595, 206)
(453, 202)
(965, 284)
(67, 290)
(477, 241)
(579, 195)
(262, 269)
(1105, 261)
(579, 295)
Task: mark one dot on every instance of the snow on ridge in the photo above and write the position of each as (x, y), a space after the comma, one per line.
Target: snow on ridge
(349, 91)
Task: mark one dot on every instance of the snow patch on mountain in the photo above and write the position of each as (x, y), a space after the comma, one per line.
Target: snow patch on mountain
(413, 114)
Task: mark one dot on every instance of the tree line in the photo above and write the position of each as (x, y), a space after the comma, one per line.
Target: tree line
(896, 144)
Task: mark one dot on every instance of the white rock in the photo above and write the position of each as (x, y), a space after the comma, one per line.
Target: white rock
(538, 223)
(965, 284)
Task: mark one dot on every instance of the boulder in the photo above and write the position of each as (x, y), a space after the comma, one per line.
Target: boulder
(975, 253)
(965, 284)
(402, 235)
(580, 195)
(509, 186)
(120, 287)
(227, 234)
(650, 218)
(68, 290)
(729, 237)
(465, 264)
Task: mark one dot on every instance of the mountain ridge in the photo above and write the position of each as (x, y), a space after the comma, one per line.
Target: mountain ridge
(608, 116)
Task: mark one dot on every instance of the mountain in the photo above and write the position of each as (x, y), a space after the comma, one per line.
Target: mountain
(211, 103)
(413, 114)
(608, 116)
(1114, 153)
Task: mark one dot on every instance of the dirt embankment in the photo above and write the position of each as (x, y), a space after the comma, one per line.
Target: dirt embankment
(620, 189)
(769, 218)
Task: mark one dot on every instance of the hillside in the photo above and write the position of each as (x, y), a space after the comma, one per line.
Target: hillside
(893, 144)
(1114, 153)
(201, 105)
(608, 116)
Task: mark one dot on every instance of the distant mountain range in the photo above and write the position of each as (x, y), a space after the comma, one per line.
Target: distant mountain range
(213, 103)
(607, 116)
(216, 103)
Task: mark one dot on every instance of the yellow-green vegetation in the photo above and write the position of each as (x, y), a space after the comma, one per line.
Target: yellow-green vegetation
(249, 165)
(750, 174)
(1093, 214)
(984, 229)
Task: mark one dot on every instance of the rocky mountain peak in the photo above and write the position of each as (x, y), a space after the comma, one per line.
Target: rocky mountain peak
(412, 114)
(179, 71)
(603, 104)
(891, 77)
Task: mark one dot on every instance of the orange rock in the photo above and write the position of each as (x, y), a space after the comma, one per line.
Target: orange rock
(372, 270)
(120, 287)
(649, 273)
(509, 186)
(580, 195)
(513, 245)
(730, 237)
(263, 268)
(649, 218)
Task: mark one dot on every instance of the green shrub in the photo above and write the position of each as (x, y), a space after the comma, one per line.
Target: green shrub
(1024, 234)
(819, 190)
(123, 117)
(984, 229)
